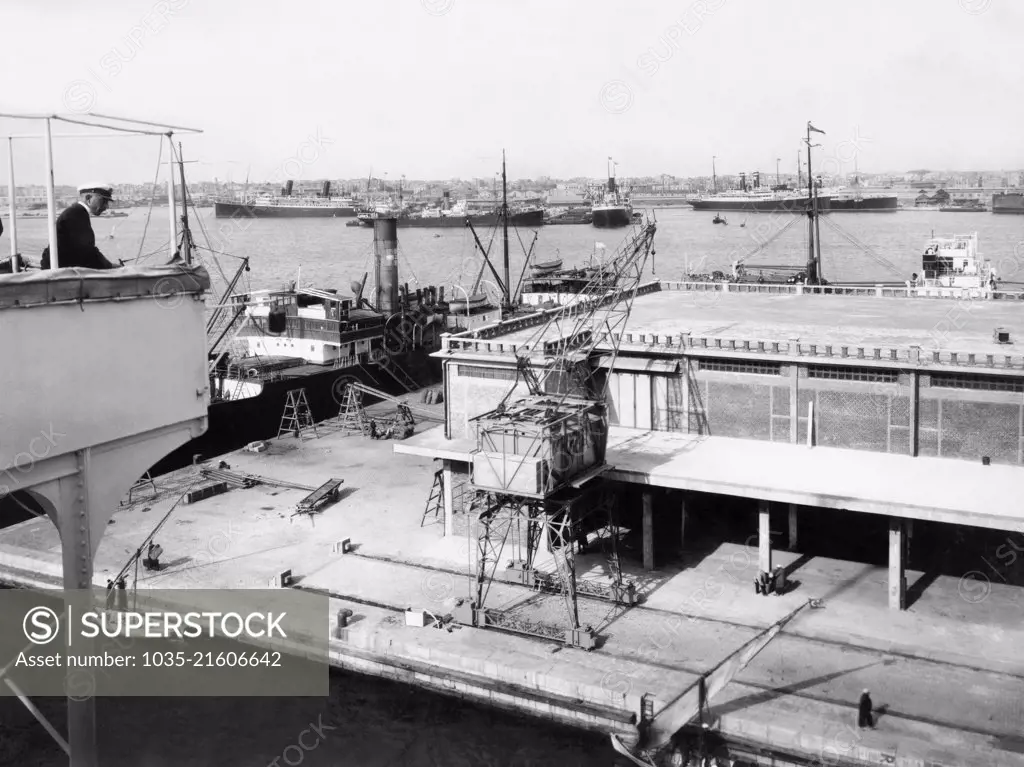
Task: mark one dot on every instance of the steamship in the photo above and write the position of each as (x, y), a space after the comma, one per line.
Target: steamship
(318, 341)
(614, 210)
(457, 214)
(756, 199)
(287, 205)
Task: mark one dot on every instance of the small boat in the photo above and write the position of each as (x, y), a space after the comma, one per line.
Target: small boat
(545, 267)
(718, 220)
(354, 222)
(476, 301)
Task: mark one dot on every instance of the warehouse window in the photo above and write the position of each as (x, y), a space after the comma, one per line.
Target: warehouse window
(497, 374)
(972, 381)
(842, 373)
(742, 366)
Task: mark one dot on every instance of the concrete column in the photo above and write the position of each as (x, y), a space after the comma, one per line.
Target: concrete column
(792, 526)
(682, 524)
(648, 531)
(764, 537)
(794, 403)
(449, 503)
(914, 396)
(897, 565)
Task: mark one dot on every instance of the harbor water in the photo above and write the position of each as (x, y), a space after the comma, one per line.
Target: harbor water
(327, 253)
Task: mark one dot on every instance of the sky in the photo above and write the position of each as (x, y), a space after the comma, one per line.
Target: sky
(435, 89)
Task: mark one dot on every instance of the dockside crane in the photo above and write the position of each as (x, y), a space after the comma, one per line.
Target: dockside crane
(540, 457)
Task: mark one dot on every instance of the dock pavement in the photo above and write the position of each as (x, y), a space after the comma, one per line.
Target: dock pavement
(946, 676)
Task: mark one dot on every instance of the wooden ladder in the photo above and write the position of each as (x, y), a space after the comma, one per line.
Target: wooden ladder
(352, 417)
(297, 415)
(435, 503)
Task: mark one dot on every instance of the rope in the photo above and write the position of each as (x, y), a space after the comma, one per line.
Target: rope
(770, 240)
(880, 260)
(149, 213)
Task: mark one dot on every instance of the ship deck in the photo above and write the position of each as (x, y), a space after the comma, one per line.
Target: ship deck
(798, 696)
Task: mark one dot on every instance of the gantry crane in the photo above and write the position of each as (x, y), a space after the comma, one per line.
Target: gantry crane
(540, 456)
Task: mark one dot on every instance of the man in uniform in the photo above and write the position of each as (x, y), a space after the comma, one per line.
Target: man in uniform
(76, 243)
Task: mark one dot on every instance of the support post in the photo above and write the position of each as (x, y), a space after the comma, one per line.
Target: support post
(13, 205)
(448, 498)
(78, 551)
(897, 565)
(682, 524)
(764, 537)
(51, 213)
(792, 526)
(648, 530)
(915, 410)
(171, 206)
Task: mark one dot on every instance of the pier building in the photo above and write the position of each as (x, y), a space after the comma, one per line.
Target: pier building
(909, 409)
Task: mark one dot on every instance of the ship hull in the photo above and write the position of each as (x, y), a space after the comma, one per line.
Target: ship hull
(528, 218)
(1008, 204)
(237, 209)
(612, 218)
(799, 205)
(235, 423)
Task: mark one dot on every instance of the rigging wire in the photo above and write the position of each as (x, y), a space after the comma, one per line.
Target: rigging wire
(149, 213)
(878, 259)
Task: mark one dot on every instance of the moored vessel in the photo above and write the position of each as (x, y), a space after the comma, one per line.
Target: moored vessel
(614, 210)
(286, 205)
(318, 341)
(1008, 202)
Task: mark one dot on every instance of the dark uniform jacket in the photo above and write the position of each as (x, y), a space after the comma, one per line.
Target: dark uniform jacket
(76, 243)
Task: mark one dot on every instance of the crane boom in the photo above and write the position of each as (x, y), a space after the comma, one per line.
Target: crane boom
(599, 314)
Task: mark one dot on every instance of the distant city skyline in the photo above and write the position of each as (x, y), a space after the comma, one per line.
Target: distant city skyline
(437, 88)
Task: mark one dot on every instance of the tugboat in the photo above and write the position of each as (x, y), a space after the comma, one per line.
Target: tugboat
(719, 220)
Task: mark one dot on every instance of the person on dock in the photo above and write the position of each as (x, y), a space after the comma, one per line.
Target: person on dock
(76, 242)
(152, 560)
(122, 595)
(864, 718)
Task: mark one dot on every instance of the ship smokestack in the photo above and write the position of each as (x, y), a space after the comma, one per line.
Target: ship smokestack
(743, 182)
(757, 179)
(385, 253)
(287, 191)
(611, 185)
(326, 190)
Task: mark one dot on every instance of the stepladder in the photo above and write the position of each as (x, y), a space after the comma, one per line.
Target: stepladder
(297, 416)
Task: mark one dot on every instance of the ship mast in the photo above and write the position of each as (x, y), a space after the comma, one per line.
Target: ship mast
(714, 177)
(507, 299)
(813, 233)
(186, 235)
